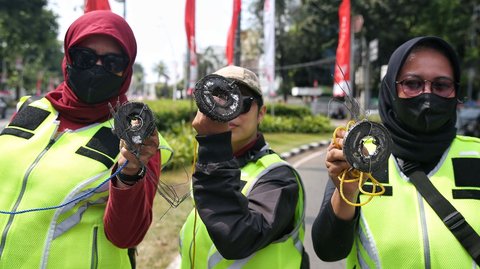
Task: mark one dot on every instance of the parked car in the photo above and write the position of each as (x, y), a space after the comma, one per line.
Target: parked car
(468, 121)
(330, 107)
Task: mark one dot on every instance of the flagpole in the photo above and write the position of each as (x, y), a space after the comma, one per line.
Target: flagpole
(238, 49)
(269, 50)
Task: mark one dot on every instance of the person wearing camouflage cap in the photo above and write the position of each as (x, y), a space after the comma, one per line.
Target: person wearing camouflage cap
(243, 76)
(249, 203)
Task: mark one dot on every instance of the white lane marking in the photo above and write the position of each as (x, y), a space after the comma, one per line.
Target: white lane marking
(309, 157)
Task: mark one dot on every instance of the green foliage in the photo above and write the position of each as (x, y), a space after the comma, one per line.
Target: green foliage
(181, 138)
(448, 19)
(169, 113)
(173, 120)
(288, 110)
(208, 62)
(28, 32)
(307, 124)
(138, 79)
(293, 119)
(307, 31)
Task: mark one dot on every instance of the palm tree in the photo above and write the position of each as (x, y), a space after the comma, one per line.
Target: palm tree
(162, 70)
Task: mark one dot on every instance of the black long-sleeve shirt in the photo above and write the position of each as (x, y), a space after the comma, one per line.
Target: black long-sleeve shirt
(332, 237)
(240, 225)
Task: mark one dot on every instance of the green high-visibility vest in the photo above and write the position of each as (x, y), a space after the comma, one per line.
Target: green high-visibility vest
(283, 253)
(45, 169)
(401, 230)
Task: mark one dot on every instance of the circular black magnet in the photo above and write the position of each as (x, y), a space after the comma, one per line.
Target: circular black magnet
(218, 98)
(133, 122)
(367, 145)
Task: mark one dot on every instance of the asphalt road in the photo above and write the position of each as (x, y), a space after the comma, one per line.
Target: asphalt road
(311, 167)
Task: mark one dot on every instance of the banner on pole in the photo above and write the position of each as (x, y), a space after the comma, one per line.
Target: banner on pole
(341, 77)
(91, 5)
(230, 48)
(269, 46)
(190, 31)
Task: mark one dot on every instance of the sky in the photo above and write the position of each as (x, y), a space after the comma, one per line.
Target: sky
(159, 28)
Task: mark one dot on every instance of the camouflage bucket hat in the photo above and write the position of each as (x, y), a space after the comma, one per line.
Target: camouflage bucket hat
(243, 76)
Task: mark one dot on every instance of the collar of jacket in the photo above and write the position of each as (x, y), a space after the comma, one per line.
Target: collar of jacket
(253, 152)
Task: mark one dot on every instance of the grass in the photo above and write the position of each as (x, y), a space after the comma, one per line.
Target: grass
(160, 245)
(282, 142)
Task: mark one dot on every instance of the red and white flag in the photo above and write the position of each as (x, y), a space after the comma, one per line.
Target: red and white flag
(269, 46)
(232, 32)
(190, 31)
(91, 5)
(341, 77)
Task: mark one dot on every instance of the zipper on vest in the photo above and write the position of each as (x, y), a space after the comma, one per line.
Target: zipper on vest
(94, 261)
(20, 195)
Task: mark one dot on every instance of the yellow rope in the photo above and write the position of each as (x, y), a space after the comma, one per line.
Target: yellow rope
(357, 175)
(195, 145)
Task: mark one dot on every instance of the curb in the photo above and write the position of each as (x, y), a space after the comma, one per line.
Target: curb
(301, 149)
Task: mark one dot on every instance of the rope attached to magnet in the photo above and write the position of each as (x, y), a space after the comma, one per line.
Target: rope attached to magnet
(366, 146)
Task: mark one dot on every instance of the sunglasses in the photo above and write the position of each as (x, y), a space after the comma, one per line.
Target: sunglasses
(85, 58)
(415, 86)
(247, 102)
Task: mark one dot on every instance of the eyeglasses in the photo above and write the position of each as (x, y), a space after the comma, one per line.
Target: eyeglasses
(85, 58)
(415, 86)
(247, 104)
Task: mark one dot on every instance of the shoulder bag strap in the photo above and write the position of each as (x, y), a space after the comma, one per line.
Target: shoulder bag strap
(454, 221)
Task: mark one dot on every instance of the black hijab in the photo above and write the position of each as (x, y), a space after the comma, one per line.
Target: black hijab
(425, 149)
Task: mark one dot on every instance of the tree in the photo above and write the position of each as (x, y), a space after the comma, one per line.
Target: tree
(28, 43)
(209, 61)
(394, 22)
(161, 70)
(307, 31)
(138, 81)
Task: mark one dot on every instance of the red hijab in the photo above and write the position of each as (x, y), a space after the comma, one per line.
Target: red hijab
(73, 113)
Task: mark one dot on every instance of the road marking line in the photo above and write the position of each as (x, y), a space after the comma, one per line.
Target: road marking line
(309, 157)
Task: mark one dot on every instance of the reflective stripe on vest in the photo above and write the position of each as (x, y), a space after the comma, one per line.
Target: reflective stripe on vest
(285, 252)
(402, 230)
(48, 170)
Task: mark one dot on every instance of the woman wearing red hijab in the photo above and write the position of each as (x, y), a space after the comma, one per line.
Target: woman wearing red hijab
(53, 204)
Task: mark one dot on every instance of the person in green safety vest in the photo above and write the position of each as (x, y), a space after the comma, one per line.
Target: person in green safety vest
(401, 229)
(249, 203)
(63, 202)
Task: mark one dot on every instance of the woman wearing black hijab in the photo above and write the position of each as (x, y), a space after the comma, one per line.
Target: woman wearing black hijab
(417, 103)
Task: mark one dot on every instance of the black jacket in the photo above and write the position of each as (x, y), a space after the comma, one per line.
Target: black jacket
(239, 225)
(332, 237)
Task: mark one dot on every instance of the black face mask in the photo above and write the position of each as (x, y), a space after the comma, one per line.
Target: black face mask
(93, 85)
(425, 113)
